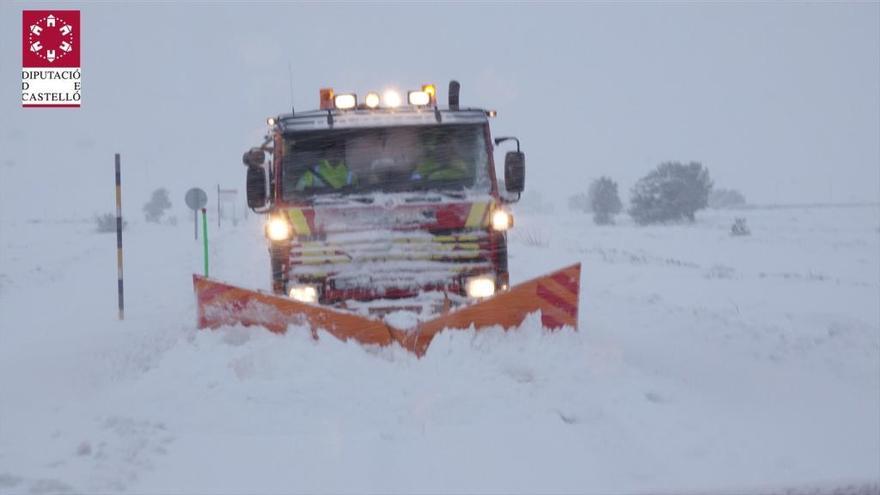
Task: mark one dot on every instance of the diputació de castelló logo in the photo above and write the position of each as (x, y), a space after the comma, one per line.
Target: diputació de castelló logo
(50, 58)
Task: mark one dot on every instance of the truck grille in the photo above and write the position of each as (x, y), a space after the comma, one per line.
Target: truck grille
(378, 261)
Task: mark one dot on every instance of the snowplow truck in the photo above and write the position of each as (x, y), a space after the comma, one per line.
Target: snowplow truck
(385, 223)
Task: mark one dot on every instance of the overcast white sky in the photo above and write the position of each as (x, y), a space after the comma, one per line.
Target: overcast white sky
(779, 101)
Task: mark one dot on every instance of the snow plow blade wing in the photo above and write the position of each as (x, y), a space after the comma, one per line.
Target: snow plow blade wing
(554, 295)
(223, 304)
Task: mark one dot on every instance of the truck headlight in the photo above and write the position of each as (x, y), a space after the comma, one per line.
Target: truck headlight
(479, 287)
(304, 293)
(278, 229)
(501, 220)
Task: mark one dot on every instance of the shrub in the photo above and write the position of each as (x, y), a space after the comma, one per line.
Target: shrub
(726, 198)
(158, 204)
(604, 201)
(672, 191)
(107, 223)
(580, 202)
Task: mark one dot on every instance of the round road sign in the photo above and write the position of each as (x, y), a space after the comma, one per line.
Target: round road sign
(196, 198)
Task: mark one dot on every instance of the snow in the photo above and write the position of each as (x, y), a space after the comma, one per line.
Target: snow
(704, 362)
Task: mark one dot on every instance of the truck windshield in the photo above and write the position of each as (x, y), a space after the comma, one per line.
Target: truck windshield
(387, 159)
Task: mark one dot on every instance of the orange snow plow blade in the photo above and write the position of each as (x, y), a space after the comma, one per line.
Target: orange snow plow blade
(555, 295)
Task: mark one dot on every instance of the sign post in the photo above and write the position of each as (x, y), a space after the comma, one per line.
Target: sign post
(196, 199)
(227, 197)
(205, 236)
(218, 206)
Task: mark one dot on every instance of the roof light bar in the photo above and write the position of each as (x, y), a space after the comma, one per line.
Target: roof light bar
(391, 98)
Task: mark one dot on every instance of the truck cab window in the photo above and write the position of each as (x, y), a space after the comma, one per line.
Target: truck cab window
(391, 159)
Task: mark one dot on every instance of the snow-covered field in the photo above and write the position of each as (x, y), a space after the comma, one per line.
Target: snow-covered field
(704, 362)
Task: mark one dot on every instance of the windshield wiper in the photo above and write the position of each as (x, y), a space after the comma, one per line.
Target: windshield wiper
(452, 194)
(340, 199)
(434, 196)
(424, 197)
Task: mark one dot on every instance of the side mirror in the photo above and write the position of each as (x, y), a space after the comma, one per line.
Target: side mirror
(515, 171)
(254, 157)
(256, 187)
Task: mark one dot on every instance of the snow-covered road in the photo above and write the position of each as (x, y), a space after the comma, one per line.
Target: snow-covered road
(704, 362)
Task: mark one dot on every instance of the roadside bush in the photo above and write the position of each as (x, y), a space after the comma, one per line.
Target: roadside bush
(673, 191)
(604, 200)
(107, 223)
(580, 202)
(726, 198)
(739, 227)
(157, 206)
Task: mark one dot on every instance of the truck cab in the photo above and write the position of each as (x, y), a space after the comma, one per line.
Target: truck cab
(385, 204)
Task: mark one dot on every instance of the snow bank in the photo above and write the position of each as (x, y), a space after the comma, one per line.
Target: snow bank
(704, 362)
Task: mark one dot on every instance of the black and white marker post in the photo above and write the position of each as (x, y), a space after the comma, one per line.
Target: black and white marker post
(119, 238)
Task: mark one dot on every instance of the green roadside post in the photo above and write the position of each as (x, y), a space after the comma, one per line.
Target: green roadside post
(205, 236)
